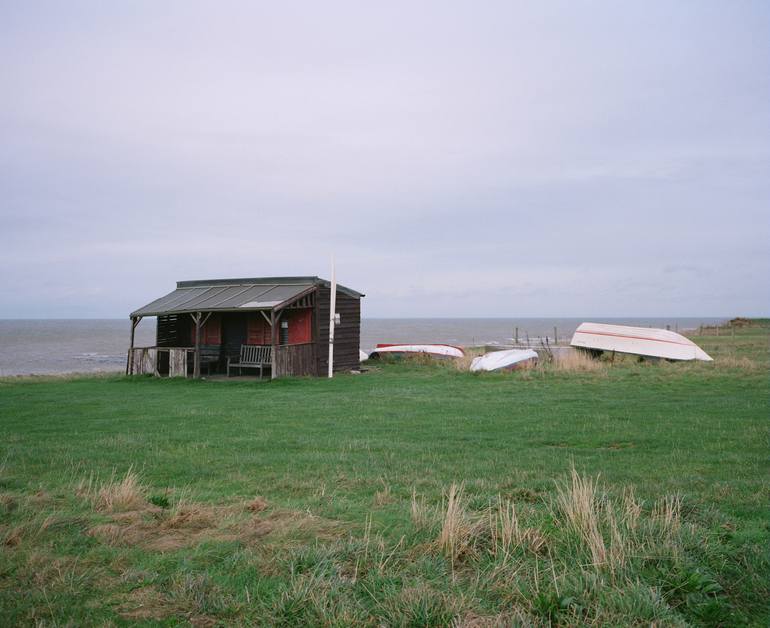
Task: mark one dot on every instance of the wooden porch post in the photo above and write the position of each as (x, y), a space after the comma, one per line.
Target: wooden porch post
(274, 342)
(197, 355)
(130, 358)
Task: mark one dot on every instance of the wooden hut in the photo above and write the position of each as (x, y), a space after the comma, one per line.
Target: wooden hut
(205, 325)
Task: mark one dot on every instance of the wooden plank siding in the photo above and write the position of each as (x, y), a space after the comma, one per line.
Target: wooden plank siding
(347, 335)
(295, 360)
(177, 362)
(146, 361)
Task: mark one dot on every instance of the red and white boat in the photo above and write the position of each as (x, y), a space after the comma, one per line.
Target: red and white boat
(658, 343)
(439, 351)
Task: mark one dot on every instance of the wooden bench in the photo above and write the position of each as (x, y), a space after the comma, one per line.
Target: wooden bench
(253, 357)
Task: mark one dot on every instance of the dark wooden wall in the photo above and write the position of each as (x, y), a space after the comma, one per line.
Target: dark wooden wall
(295, 360)
(347, 335)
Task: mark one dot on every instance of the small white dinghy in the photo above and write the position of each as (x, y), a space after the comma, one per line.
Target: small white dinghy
(504, 360)
(362, 356)
(657, 343)
(440, 351)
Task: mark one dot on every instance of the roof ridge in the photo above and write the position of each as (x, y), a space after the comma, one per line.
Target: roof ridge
(235, 281)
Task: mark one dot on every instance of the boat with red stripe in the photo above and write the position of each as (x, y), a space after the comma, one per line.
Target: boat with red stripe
(649, 342)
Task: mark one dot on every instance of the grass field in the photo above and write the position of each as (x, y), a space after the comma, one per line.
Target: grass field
(630, 493)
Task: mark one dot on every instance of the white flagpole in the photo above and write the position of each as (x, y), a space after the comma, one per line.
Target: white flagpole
(332, 319)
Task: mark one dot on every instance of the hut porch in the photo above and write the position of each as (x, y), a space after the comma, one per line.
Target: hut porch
(203, 325)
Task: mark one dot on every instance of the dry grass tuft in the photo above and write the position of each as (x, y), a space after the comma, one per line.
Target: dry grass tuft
(735, 362)
(578, 502)
(668, 512)
(464, 363)
(190, 516)
(185, 598)
(611, 530)
(574, 362)
(618, 546)
(513, 617)
(507, 534)
(292, 523)
(145, 603)
(632, 509)
(13, 537)
(422, 516)
(504, 528)
(116, 495)
(453, 534)
(383, 497)
(459, 530)
(258, 504)
(8, 502)
(190, 523)
(109, 533)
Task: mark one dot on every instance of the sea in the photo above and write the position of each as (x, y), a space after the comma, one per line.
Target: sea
(59, 346)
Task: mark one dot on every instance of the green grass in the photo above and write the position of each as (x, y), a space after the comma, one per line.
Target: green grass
(352, 477)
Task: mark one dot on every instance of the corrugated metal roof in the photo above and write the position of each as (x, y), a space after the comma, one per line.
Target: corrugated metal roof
(258, 293)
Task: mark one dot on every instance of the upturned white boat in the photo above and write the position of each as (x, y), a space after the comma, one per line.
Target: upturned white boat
(658, 343)
(442, 351)
(504, 360)
(362, 356)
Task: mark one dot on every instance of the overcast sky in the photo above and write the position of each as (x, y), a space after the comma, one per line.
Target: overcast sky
(459, 158)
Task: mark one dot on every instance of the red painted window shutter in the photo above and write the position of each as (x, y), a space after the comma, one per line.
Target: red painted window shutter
(211, 333)
(299, 326)
(213, 330)
(257, 331)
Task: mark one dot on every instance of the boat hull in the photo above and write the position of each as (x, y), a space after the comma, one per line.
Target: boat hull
(439, 351)
(504, 360)
(657, 343)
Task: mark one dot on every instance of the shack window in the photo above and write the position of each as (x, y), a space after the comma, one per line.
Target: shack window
(284, 333)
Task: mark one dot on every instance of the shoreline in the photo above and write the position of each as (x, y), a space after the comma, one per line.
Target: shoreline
(63, 350)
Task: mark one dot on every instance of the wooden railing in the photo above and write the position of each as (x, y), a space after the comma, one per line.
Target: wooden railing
(296, 359)
(146, 361)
